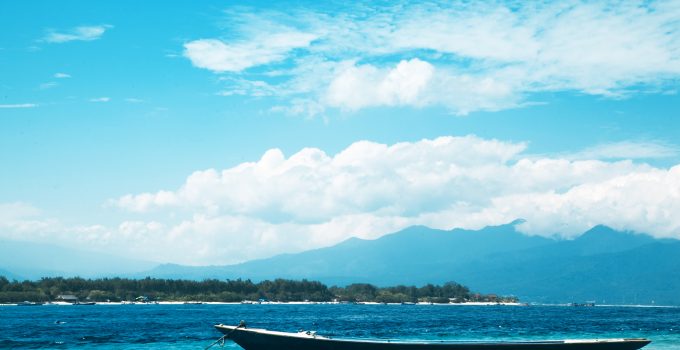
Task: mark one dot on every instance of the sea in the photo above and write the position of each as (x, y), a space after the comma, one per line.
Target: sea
(190, 326)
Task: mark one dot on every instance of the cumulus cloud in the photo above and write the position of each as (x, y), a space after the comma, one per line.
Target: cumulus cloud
(361, 86)
(311, 185)
(82, 33)
(644, 201)
(464, 56)
(100, 99)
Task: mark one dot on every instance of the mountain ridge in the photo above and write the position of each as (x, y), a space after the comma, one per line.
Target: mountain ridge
(593, 266)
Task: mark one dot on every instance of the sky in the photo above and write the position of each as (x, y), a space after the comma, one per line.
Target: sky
(215, 132)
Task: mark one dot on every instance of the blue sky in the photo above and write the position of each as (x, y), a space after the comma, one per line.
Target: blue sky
(242, 130)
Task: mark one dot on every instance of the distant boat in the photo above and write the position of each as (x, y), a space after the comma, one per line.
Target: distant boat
(262, 339)
(587, 303)
(85, 303)
(29, 303)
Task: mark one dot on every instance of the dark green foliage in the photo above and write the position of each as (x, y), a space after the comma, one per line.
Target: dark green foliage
(119, 289)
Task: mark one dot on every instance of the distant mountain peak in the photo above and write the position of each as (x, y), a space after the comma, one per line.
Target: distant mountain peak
(604, 239)
(600, 229)
(600, 232)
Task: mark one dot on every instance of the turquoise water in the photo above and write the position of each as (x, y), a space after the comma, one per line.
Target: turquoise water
(190, 326)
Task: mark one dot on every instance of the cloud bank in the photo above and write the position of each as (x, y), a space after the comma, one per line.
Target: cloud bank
(463, 56)
(311, 199)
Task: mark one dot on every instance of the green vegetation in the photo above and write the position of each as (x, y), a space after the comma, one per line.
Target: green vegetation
(119, 289)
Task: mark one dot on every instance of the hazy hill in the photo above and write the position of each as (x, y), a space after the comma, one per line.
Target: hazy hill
(29, 260)
(10, 276)
(602, 265)
(415, 255)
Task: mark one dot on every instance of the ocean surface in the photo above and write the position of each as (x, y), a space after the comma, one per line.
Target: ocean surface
(190, 326)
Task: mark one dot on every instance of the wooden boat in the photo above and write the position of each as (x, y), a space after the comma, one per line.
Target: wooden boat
(262, 339)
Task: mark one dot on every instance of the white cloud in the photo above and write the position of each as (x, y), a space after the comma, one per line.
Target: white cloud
(62, 75)
(144, 202)
(417, 83)
(645, 201)
(82, 33)
(343, 184)
(362, 86)
(255, 88)
(16, 210)
(219, 56)
(471, 57)
(299, 106)
(19, 105)
(133, 100)
(100, 99)
(21, 220)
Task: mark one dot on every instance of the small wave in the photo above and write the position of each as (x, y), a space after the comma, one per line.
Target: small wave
(100, 339)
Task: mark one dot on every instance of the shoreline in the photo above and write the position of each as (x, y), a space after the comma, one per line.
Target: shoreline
(196, 303)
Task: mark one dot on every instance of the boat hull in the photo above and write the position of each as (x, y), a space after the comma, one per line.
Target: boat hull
(259, 339)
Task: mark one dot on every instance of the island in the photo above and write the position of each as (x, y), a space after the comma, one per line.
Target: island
(145, 290)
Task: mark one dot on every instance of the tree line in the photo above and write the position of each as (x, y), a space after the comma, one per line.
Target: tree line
(213, 290)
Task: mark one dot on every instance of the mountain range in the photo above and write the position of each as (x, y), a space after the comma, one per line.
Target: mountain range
(602, 264)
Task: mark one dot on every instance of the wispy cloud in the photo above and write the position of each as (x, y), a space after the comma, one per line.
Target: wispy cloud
(133, 100)
(19, 105)
(219, 56)
(19, 220)
(62, 75)
(48, 85)
(628, 150)
(100, 99)
(82, 33)
(479, 56)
